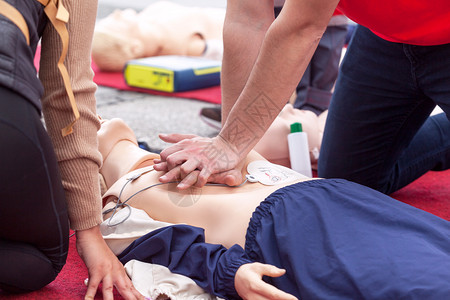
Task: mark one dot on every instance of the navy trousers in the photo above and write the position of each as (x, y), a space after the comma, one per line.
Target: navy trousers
(378, 131)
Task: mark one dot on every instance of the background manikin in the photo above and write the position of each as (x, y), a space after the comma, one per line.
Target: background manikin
(273, 146)
(162, 28)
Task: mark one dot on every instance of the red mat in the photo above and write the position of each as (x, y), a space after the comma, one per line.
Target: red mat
(116, 80)
(431, 193)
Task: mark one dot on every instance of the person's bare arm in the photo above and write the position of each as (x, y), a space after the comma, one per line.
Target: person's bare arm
(246, 23)
(285, 53)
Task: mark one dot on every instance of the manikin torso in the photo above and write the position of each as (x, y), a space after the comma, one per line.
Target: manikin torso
(224, 212)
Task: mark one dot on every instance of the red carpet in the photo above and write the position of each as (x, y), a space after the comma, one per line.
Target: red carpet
(116, 80)
(431, 192)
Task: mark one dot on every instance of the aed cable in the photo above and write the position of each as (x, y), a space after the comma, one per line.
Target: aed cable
(124, 204)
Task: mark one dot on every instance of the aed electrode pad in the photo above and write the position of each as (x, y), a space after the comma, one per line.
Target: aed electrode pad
(268, 173)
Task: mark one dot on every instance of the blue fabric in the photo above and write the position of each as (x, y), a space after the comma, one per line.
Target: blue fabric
(336, 239)
(314, 89)
(341, 240)
(378, 131)
(183, 250)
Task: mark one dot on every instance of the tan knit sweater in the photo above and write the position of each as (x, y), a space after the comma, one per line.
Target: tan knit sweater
(78, 156)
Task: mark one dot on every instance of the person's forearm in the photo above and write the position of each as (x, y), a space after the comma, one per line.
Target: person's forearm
(282, 60)
(77, 153)
(287, 48)
(285, 53)
(244, 29)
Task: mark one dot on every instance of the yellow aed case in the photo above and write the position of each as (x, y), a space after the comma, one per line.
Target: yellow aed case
(172, 73)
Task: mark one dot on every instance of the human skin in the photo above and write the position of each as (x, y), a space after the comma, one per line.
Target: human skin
(255, 85)
(162, 28)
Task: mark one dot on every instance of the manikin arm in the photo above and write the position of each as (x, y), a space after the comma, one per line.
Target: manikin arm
(286, 50)
(183, 250)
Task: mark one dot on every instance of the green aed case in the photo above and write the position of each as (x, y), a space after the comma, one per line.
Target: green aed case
(172, 73)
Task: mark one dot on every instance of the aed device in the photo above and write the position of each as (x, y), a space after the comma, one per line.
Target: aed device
(172, 73)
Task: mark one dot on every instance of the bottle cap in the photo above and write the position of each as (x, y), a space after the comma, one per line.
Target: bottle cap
(296, 127)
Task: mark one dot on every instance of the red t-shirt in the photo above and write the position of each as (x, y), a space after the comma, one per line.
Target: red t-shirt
(337, 12)
(416, 22)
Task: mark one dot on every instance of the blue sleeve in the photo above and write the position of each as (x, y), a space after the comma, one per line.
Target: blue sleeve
(183, 250)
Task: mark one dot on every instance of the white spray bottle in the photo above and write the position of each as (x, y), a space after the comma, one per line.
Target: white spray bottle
(299, 150)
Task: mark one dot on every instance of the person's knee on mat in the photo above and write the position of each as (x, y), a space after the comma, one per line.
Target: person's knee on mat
(23, 268)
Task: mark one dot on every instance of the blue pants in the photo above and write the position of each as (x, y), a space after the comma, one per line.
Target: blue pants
(314, 89)
(378, 132)
(341, 240)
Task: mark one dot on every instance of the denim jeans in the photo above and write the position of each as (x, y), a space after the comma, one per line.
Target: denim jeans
(378, 131)
(314, 89)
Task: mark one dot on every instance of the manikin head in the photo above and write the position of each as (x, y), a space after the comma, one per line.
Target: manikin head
(118, 39)
(274, 145)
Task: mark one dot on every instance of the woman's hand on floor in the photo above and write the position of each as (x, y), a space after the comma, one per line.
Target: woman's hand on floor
(103, 266)
(197, 160)
(249, 284)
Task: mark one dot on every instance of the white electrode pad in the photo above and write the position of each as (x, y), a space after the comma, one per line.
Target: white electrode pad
(271, 174)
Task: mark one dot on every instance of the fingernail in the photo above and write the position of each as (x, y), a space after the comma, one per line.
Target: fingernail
(181, 186)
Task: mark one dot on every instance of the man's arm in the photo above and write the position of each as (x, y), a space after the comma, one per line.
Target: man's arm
(246, 23)
(285, 52)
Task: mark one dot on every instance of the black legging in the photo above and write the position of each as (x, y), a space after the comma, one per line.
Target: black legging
(34, 227)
